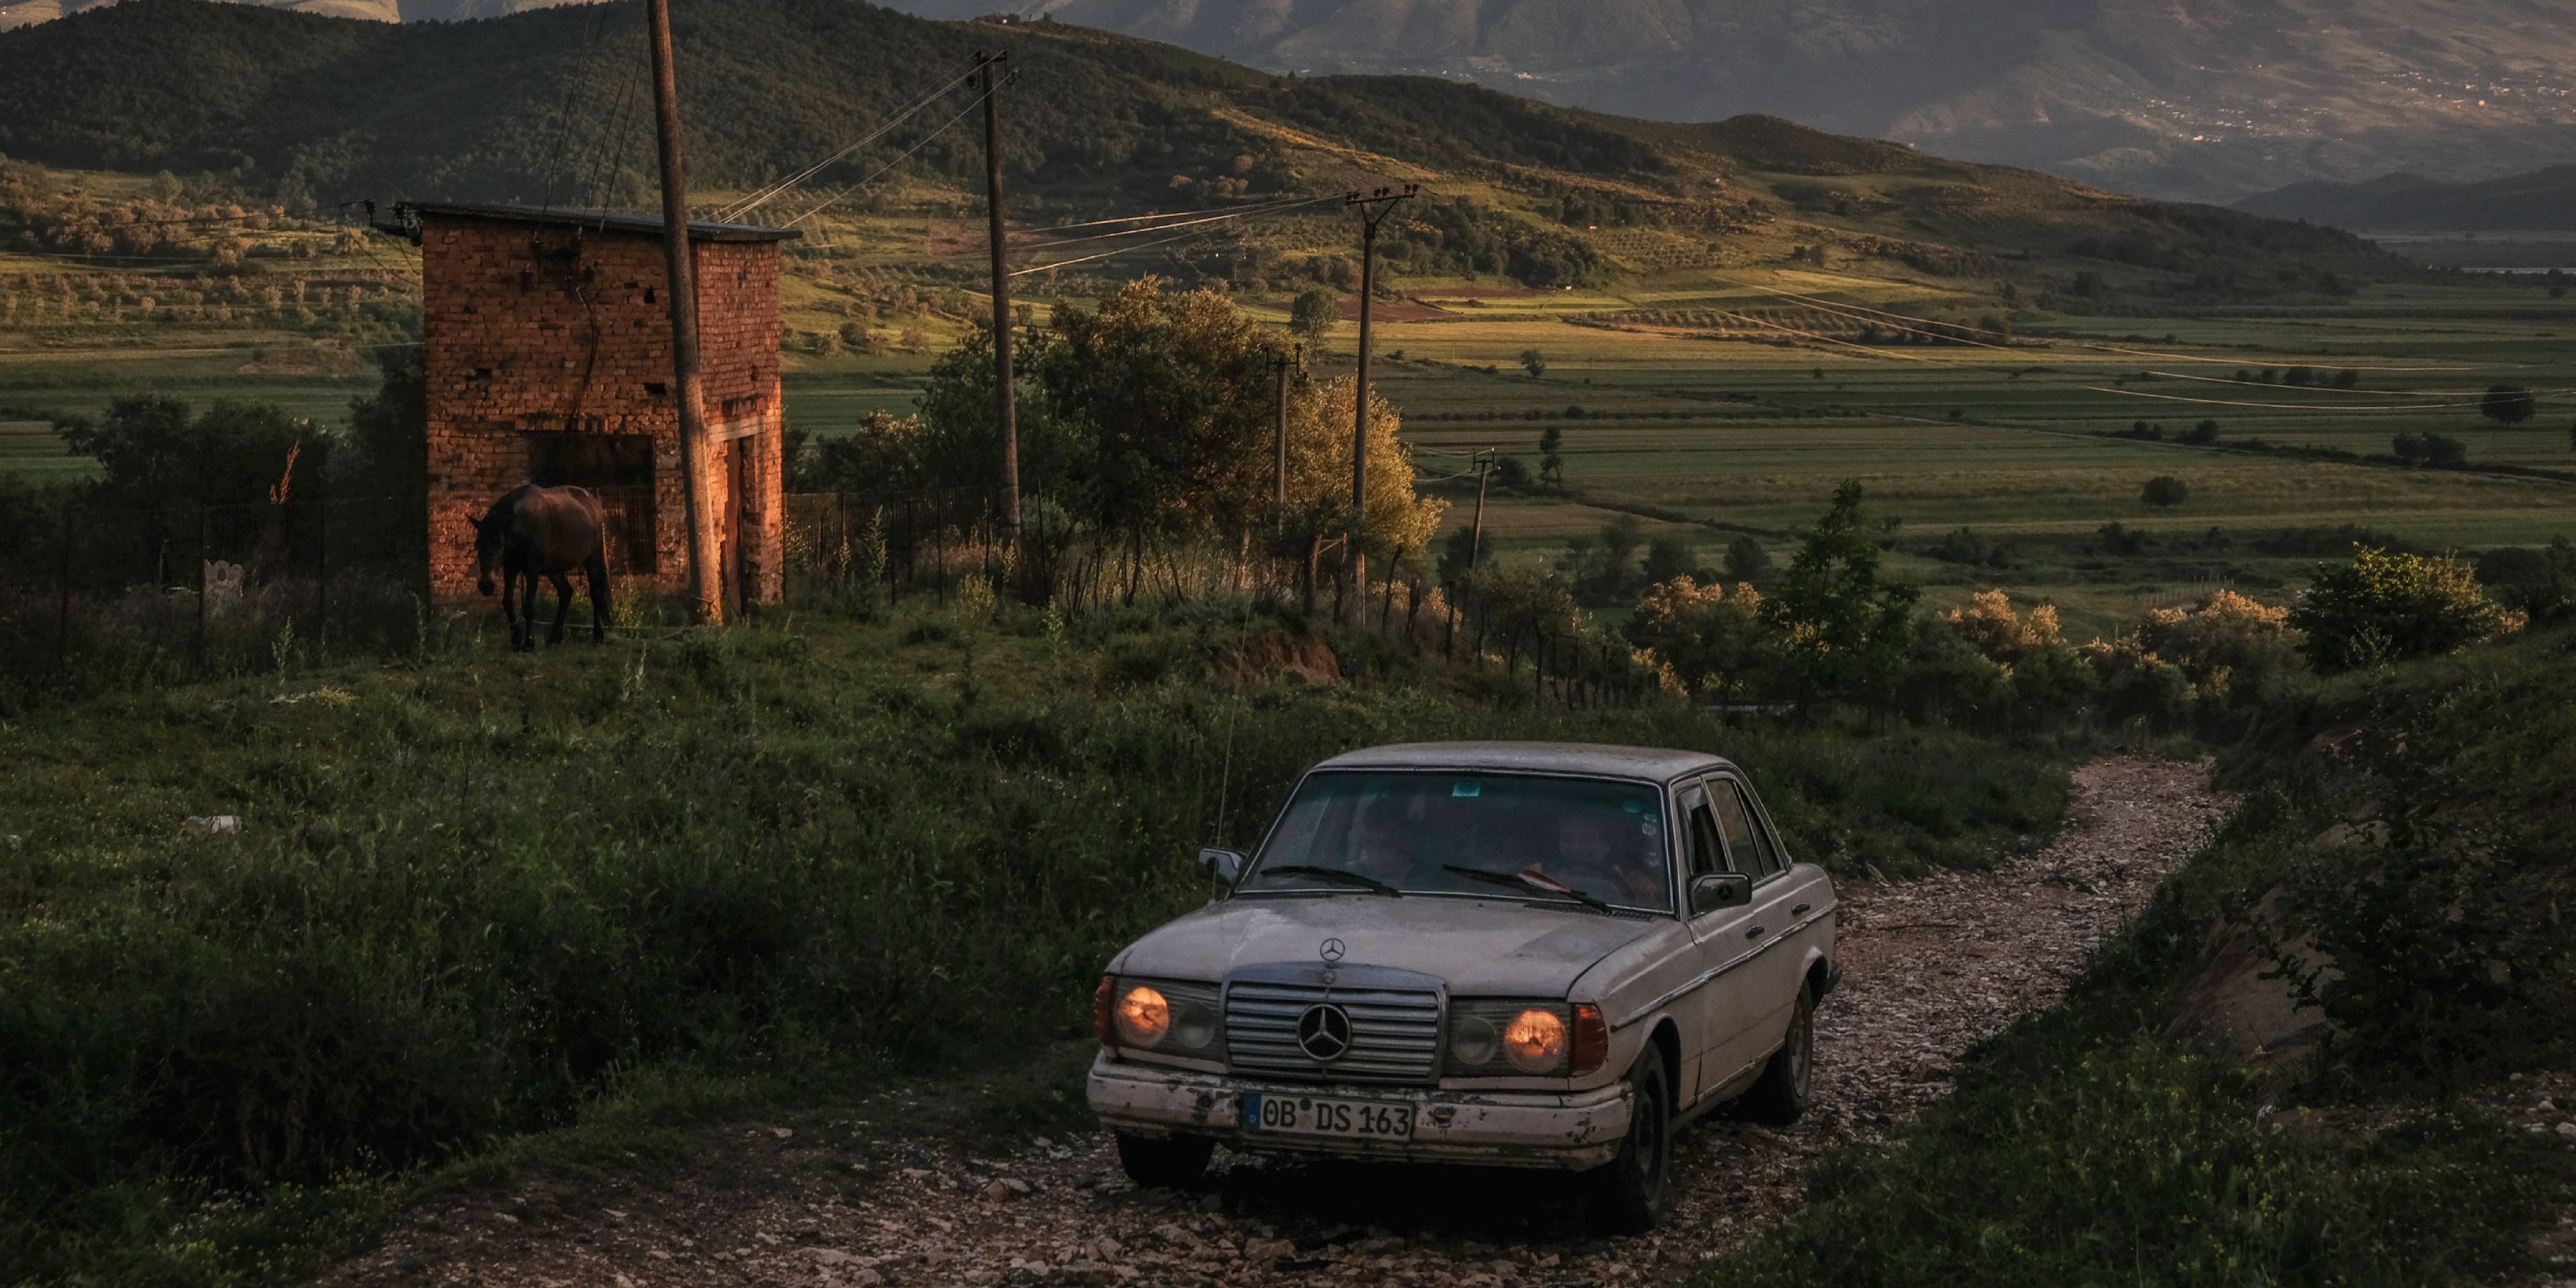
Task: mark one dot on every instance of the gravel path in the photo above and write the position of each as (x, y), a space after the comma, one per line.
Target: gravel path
(1932, 967)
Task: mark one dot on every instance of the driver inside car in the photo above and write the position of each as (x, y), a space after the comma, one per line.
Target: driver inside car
(1606, 856)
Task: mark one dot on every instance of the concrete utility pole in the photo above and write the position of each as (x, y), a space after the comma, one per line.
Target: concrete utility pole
(1374, 208)
(1006, 416)
(706, 597)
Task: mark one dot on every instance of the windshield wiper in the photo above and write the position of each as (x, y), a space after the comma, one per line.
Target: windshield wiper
(1343, 875)
(1525, 881)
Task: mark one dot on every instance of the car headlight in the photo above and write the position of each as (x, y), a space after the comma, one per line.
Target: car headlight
(1164, 1016)
(1500, 1038)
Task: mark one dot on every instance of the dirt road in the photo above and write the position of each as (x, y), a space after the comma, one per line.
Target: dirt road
(1932, 967)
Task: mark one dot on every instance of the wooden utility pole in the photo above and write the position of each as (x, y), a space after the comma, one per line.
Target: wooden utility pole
(1374, 208)
(706, 597)
(1279, 442)
(1006, 416)
(1476, 535)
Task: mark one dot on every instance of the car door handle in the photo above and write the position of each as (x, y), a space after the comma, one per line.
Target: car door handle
(1800, 910)
(1755, 933)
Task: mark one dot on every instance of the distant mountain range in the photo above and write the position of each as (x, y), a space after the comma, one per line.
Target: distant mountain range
(2541, 201)
(25, 13)
(2196, 99)
(2200, 99)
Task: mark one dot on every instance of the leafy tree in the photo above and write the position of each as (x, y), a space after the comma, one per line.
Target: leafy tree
(1845, 629)
(1511, 472)
(1459, 550)
(1315, 313)
(164, 466)
(1551, 461)
(2430, 450)
(2508, 405)
(1747, 561)
(1668, 557)
(1602, 570)
(2164, 492)
(1707, 640)
(1534, 362)
(2383, 607)
(2202, 434)
(2540, 583)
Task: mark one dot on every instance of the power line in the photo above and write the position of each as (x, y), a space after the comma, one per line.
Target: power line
(1165, 241)
(1266, 208)
(900, 158)
(755, 201)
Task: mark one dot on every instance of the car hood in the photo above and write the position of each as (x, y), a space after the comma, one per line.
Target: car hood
(1482, 947)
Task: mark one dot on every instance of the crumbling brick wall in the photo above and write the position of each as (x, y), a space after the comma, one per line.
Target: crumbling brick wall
(551, 327)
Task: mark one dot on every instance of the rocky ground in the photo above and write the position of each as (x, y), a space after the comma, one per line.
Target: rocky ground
(1932, 967)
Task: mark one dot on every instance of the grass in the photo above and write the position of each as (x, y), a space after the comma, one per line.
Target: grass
(2091, 1144)
(484, 895)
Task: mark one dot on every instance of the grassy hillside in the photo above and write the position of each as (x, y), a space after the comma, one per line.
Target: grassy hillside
(2212, 98)
(2541, 201)
(313, 109)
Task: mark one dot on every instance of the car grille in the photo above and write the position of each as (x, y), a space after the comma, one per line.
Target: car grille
(1395, 1034)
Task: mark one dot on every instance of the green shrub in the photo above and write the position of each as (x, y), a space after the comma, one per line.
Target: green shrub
(2384, 607)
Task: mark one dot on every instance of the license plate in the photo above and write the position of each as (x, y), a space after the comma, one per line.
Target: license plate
(1317, 1116)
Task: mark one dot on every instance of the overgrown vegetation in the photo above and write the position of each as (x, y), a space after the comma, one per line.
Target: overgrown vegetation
(2095, 1143)
(465, 898)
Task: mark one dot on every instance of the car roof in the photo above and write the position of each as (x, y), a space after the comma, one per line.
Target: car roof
(1658, 763)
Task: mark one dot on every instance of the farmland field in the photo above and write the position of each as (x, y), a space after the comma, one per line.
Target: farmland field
(1707, 403)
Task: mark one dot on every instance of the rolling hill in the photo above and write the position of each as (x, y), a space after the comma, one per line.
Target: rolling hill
(2541, 201)
(27, 13)
(546, 106)
(2201, 99)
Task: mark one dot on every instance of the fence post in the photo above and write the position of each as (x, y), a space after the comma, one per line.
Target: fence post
(199, 650)
(322, 573)
(63, 601)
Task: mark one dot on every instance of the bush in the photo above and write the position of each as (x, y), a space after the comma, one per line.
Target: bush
(2164, 492)
(2384, 607)
(2429, 450)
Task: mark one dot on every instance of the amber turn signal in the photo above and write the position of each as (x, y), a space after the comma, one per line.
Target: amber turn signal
(1591, 1038)
(1102, 999)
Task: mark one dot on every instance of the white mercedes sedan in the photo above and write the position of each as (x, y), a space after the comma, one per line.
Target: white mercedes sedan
(1528, 954)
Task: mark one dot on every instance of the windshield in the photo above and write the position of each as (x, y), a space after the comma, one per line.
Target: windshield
(1414, 831)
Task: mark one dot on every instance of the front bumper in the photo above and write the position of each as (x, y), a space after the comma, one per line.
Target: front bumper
(1574, 1131)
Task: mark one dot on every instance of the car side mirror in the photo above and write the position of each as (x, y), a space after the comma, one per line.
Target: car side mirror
(1224, 867)
(1720, 890)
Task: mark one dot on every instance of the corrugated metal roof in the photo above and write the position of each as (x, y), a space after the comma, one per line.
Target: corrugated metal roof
(621, 221)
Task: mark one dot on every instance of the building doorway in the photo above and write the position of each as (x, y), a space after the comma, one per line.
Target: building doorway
(616, 468)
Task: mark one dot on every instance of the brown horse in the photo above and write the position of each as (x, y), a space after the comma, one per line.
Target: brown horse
(544, 532)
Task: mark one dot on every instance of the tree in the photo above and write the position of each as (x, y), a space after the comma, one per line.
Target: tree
(2202, 434)
(1668, 557)
(2384, 607)
(1747, 561)
(1706, 640)
(1315, 314)
(1455, 552)
(1533, 362)
(1551, 460)
(2164, 492)
(2432, 451)
(1845, 630)
(1163, 402)
(164, 465)
(2508, 405)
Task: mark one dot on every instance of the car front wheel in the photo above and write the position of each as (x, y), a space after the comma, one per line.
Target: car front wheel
(1164, 1162)
(1788, 1082)
(1627, 1195)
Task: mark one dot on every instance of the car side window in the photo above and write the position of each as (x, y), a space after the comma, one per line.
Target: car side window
(1744, 838)
(1707, 857)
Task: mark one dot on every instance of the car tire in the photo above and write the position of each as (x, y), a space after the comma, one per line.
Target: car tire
(1167, 1162)
(1787, 1084)
(1628, 1194)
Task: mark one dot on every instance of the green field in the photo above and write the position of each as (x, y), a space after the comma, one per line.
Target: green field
(1709, 402)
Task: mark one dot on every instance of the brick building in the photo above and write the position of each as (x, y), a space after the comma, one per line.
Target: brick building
(548, 349)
